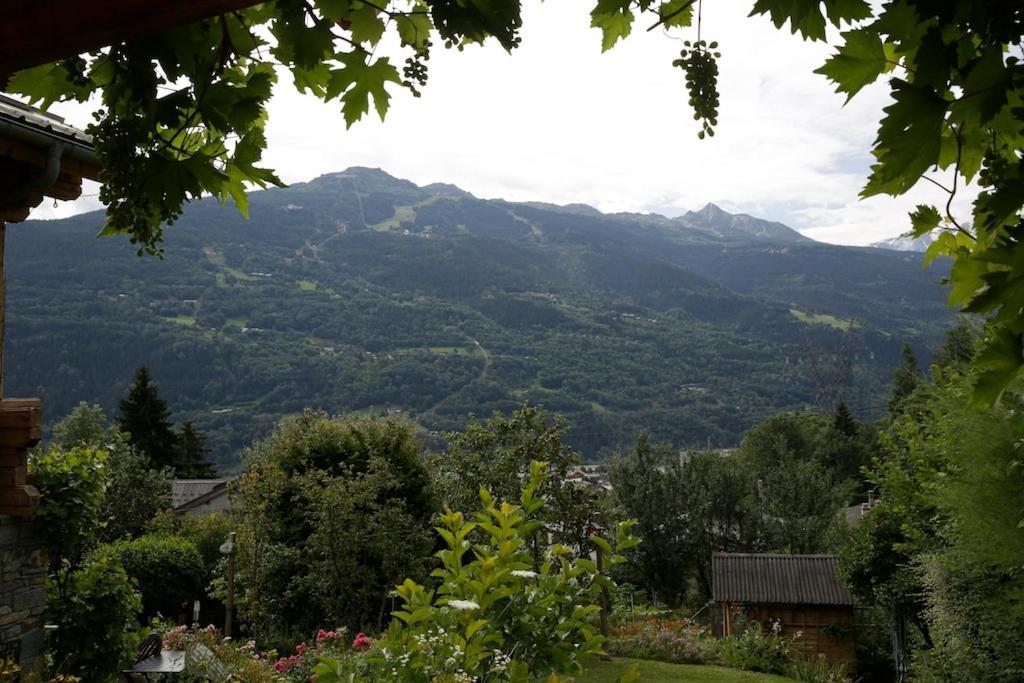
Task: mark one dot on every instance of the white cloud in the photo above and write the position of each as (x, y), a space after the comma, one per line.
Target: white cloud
(559, 121)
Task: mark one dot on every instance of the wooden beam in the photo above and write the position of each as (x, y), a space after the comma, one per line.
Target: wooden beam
(36, 156)
(21, 424)
(34, 32)
(3, 299)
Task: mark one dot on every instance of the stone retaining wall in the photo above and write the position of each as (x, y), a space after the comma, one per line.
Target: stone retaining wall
(23, 566)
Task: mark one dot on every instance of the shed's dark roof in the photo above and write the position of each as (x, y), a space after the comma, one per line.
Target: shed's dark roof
(184, 491)
(777, 579)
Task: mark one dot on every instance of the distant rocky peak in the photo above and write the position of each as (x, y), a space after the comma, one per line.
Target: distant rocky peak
(713, 219)
(907, 242)
(713, 213)
(366, 179)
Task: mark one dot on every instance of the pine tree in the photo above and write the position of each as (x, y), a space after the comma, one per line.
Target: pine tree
(843, 422)
(958, 347)
(905, 380)
(191, 462)
(144, 416)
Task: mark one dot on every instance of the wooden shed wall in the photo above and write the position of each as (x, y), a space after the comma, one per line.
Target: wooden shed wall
(822, 629)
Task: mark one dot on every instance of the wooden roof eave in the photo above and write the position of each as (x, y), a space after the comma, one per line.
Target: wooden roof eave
(35, 32)
(30, 146)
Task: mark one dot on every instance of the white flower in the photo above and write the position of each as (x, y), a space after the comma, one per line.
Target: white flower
(463, 605)
(523, 573)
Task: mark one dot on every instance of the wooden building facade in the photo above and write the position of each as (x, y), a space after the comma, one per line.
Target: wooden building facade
(800, 595)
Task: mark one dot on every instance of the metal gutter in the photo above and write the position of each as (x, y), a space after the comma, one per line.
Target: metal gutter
(42, 181)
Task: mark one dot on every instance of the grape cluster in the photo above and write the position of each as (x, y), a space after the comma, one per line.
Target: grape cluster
(414, 73)
(77, 69)
(698, 60)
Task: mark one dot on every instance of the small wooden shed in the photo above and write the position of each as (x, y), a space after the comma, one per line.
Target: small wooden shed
(801, 593)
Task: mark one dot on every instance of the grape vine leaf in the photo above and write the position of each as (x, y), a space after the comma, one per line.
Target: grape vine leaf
(415, 26)
(803, 15)
(998, 362)
(676, 13)
(944, 245)
(357, 81)
(614, 18)
(335, 10)
(985, 89)
(840, 11)
(366, 24)
(806, 16)
(45, 84)
(859, 62)
(924, 219)
(909, 139)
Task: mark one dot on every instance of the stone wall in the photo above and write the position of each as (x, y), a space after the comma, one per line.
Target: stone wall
(23, 565)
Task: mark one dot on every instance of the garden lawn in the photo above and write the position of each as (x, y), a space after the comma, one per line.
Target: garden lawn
(660, 672)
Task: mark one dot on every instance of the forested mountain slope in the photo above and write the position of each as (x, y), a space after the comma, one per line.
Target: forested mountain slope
(358, 291)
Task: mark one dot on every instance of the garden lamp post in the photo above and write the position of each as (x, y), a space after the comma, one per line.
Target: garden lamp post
(228, 548)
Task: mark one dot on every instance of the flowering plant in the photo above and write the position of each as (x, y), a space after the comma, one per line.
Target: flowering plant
(496, 616)
(209, 656)
(668, 640)
(362, 642)
(758, 649)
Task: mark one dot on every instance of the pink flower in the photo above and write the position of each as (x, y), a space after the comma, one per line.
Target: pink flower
(281, 666)
(300, 649)
(323, 635)
(362, 642)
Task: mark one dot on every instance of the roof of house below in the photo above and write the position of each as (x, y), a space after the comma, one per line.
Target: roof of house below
(186, 491)
(778, 579)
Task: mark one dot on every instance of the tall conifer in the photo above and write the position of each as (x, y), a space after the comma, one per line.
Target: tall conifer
(905, 380)
(145, 417)
(192, 451)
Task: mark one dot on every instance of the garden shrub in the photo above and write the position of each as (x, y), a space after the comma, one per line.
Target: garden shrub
(72, 483)
(756, 650)
(92, 639)
(335, 512)
(495, 615)
(665, 640)
(168, 569)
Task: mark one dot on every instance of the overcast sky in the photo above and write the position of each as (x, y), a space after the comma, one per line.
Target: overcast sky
(558, 121)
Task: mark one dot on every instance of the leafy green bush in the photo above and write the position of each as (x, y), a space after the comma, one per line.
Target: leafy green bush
(496, 616)
(71, 484)
(335, 512)
(92, 639)
(168, 569)
(207, 532)
(756, 650)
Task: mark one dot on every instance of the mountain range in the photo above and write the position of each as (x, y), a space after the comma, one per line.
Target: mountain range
(361, 292)
(907, 243)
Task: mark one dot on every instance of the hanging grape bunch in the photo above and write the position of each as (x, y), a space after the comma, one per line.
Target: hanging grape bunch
(414, 73)
(698, 60)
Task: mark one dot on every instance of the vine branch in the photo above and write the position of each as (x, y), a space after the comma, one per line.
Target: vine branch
(671, 15)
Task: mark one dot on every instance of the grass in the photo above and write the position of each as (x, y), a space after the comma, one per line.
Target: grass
(217, 259)
(608, 672)
(185, 320)
(403, 214)
(822, 319)
(307, 285)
